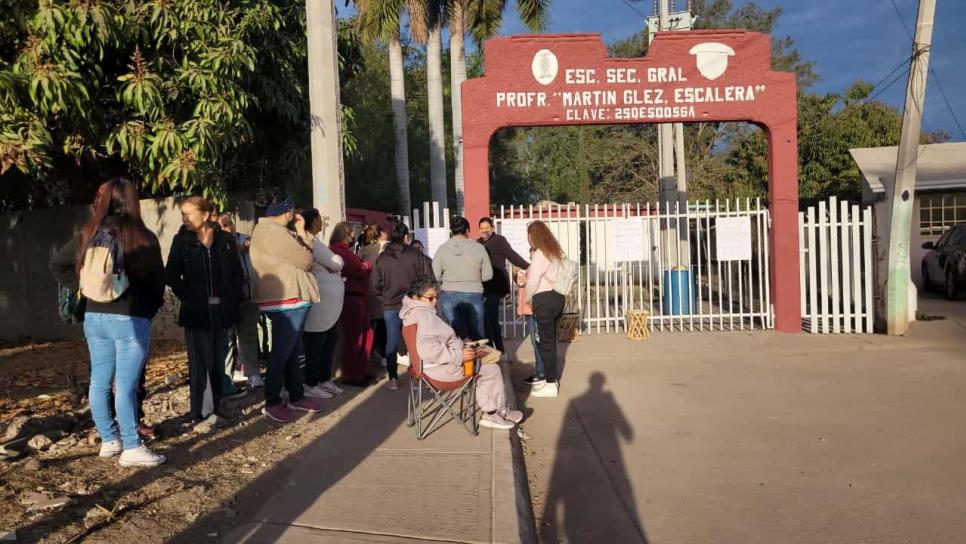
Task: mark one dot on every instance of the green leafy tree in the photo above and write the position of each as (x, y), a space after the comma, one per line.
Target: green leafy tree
(828, 126)
(195, 96)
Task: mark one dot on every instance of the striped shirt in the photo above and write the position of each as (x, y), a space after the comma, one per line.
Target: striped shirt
(284, 305)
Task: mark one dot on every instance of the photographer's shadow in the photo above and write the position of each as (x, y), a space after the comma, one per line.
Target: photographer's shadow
(590, 489)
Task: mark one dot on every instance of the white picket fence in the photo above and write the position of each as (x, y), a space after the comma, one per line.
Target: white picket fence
(836, 265)
(836, 268)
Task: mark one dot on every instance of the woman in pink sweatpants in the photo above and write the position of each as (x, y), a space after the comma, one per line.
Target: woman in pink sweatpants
(442, 354)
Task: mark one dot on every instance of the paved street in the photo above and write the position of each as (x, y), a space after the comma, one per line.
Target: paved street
(755, 438)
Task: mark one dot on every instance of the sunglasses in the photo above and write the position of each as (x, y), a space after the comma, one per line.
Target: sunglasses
(432, 298)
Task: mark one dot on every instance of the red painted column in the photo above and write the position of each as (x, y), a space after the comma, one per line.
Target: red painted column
(783, 205)
(476, 175)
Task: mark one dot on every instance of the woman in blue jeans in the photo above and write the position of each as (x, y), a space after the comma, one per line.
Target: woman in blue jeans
(119, 331)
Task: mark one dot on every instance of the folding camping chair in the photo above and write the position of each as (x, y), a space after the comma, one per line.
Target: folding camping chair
(442, 396)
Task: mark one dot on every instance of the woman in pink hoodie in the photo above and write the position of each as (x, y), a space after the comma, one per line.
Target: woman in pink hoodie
(442, 353)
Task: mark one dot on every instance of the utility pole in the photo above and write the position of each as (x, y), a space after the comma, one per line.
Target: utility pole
(328, 175)
(671, 138)
(680, 165)
(669, 19)
(904, 193)
(665, 133)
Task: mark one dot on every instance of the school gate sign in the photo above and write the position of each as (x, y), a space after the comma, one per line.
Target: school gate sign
(567, 79)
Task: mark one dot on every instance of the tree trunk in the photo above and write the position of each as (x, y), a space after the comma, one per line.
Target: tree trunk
(437, 129)
(457, 56)
(397, 86)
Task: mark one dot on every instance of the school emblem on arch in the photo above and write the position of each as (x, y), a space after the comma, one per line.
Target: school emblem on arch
(712, 58)
(545, 66)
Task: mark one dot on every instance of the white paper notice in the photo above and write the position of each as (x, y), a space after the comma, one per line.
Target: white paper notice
(627, 240)
(733, 238)
(431, 238)
(515, 232)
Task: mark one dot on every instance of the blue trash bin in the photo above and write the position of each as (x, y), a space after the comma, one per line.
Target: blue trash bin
(678, 292)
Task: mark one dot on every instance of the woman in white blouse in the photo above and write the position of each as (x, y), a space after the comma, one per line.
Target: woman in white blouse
(320, 335)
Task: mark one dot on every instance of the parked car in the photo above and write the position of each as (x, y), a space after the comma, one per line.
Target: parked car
(945, 264)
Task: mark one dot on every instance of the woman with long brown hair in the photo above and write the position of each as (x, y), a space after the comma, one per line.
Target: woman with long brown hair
(547, 304)
(118, 326)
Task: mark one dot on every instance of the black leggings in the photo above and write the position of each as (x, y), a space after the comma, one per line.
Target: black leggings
(207, 349)
(319, 348)
(547, 308)
(491, 320)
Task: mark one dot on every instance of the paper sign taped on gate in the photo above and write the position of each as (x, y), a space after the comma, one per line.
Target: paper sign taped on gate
(733, 238)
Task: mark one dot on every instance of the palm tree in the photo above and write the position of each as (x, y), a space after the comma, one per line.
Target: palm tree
(430, 13)
(485, 18)
(379, 21)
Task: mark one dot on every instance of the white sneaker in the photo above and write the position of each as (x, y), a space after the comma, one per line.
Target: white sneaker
(317, 392)
(516, 416)
(238, 377)
(111, 448)
(495, 421)
(140, 456)
(331, 387)
(256, 382)
(549, 389)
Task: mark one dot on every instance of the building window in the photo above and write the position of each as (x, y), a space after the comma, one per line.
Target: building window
(938, 212)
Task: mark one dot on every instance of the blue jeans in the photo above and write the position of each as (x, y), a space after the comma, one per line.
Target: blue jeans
(531, 325)
(463, 312)
(393, 337)
(283, 361)
(118, 346)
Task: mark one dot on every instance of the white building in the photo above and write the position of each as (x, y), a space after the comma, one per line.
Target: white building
(940, 200)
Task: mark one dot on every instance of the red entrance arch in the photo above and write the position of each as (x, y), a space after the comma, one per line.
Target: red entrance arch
(567, 79)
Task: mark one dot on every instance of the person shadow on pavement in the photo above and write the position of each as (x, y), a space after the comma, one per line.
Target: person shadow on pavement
(589, 479)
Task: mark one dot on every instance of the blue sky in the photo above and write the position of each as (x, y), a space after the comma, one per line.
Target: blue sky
(858, 39)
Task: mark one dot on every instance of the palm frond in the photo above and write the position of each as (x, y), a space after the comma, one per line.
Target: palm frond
(484, 18)
(534, 13)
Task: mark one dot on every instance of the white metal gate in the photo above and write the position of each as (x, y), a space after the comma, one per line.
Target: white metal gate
(836, 268)
(664, 262)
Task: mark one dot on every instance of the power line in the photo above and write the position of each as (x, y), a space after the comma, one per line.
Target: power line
(948, 105)
(902, 19)
(935, 75)
(878, 88)
(630, 5)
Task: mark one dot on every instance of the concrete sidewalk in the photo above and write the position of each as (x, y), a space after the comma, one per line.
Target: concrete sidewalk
(369, 480)
(754, 438)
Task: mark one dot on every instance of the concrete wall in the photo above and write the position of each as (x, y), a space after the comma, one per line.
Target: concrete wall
(28, 292)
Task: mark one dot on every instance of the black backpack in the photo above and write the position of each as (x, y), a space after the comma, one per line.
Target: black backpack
(70, 305)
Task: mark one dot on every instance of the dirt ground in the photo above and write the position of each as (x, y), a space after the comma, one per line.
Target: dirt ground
(107, 503)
